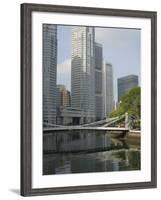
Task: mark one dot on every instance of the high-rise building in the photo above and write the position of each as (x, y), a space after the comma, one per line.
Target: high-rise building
(126, 83)
(49, 73)
(63, 96)
(83, 71)
(109, 97)
(99, 82)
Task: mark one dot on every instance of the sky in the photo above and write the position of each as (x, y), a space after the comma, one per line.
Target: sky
(121, 48)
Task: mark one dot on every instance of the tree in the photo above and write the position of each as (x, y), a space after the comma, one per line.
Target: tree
(129, 103)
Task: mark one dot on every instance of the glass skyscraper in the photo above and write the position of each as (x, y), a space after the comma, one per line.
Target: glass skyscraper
(109, 97)
(49, 73)
(126, 83)
(83, 71)
(99, 107)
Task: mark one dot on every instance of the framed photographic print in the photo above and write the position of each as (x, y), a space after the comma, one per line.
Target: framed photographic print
(88, 99)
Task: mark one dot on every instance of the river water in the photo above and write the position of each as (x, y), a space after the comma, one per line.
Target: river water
(84, 151)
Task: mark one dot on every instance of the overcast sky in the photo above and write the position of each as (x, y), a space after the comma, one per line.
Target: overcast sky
(121, 48)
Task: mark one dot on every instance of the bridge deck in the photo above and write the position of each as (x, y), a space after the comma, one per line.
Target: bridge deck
(84, 128)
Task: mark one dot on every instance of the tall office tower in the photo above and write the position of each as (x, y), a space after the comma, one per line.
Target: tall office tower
(83, 71)
(63, 96)
(109, 98)
(98, 82)
(126, 83)
(49, 73)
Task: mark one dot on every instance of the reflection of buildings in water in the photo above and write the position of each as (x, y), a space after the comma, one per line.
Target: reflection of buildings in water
(64, 169)
(126, 158)
(82, 163)
(116, 142)
(129, 159)
(115, 165)
(109, 163)
(75, 140)
(90, 162)
(117, 159)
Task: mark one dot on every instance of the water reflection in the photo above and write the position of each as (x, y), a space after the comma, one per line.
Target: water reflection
(82, 151)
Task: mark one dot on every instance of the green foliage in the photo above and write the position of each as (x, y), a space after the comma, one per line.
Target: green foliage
(129, 103)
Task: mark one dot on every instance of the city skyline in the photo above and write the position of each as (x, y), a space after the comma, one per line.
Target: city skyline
(79, 113)
(115, 45)
(81, 92)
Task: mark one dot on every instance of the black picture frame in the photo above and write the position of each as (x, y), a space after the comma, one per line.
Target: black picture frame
(26, 98)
